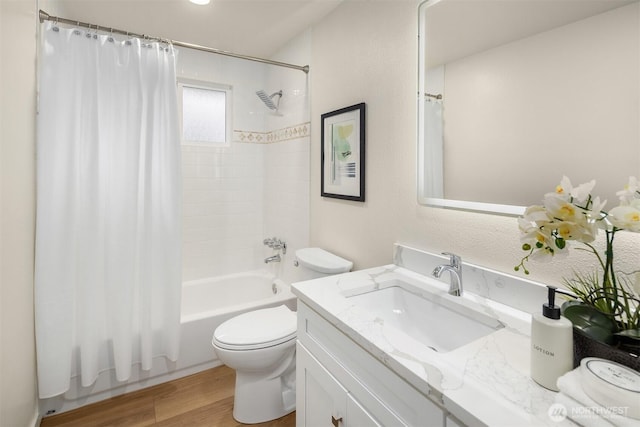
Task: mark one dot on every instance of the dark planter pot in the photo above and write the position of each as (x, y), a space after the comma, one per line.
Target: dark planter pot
(583, 346)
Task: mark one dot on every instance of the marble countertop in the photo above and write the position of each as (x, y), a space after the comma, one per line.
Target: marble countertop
(484, 382)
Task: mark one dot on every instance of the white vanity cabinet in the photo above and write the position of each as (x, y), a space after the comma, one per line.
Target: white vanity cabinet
(340, 383)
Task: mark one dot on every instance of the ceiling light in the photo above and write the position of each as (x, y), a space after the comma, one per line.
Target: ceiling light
(200, 2)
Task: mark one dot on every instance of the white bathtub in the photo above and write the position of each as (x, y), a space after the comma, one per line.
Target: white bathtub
(206, 303)
(231, 294)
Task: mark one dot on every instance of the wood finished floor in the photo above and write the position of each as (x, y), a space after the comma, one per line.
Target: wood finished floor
(204, 399)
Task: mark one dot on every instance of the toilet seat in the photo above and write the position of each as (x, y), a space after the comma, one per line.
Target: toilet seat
(257, 329)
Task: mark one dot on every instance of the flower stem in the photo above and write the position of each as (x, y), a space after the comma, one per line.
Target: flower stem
(609, 281)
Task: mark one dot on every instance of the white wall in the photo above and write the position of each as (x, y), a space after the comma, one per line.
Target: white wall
(366, 52)
(18, 402)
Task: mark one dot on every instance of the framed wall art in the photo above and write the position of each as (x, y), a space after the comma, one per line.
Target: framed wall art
(342, 157)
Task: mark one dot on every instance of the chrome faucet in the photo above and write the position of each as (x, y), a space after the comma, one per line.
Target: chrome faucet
(275, 258)
(455, 271)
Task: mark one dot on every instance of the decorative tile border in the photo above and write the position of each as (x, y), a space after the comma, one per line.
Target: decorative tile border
(292, 132)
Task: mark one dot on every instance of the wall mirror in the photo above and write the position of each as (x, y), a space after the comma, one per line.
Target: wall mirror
(513, 95)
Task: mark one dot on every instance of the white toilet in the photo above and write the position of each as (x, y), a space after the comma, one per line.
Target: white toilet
(260, 345)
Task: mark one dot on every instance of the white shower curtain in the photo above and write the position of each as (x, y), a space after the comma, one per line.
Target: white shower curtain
(434, 149)
(108, 268)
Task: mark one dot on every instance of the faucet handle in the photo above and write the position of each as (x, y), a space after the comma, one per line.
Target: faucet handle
(454, 259)
(276, 243)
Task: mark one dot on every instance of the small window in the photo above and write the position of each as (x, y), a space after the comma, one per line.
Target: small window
(206, 113)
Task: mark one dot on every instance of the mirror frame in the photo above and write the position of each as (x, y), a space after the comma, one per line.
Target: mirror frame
(492, 208)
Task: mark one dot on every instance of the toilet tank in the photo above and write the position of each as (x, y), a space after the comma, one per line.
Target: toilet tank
(319, 262)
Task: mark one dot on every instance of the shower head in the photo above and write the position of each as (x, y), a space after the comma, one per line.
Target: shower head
(268, 99)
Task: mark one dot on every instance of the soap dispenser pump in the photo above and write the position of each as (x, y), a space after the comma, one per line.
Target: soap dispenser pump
(551, 344)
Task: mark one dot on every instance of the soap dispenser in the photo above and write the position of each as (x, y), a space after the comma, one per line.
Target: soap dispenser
(551, 344)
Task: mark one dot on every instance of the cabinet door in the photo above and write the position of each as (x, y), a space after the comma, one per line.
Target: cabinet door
(450, 422)
(357, 416)
(321, 401)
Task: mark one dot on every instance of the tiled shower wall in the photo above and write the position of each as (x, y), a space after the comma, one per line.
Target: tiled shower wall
(222, 209)
(258, 187)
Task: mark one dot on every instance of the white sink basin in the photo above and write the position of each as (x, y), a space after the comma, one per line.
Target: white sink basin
(429, 319)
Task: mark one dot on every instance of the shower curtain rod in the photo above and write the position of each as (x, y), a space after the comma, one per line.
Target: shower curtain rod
(44, 16)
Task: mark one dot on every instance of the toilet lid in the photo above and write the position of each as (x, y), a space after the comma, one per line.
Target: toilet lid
(256, 329)
(319, 260)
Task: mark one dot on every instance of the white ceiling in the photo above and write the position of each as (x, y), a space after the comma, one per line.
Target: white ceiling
(248, 27)
(458, 28)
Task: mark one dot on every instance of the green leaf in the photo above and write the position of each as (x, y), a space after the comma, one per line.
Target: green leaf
(569, 303)
(629, 340)
(590, 322)
(631, 334)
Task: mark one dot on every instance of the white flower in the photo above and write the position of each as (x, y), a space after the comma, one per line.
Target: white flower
(630, 191)
(563, 190)
(566, 190)
(573, 214)
(626, 217)
(597, 209)
(582, 192)
(531, 225)
(536, 214)
(548, 253)
(561, 209)
(585, 232)
(532, 233)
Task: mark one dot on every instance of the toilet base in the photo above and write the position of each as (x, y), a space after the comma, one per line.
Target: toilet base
(259, 400)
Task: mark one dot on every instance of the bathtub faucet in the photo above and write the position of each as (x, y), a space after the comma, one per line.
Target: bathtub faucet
(275, 258)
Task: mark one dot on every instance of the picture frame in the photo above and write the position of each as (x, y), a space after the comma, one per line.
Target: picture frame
(342, 173)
